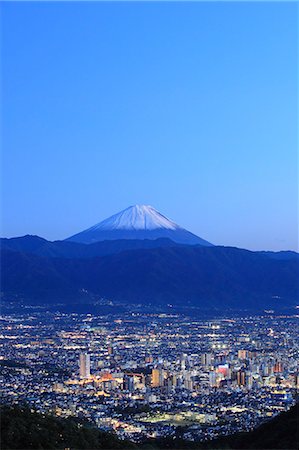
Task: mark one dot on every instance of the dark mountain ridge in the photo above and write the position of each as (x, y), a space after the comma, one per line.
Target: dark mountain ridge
(213, 277)
(68, 249)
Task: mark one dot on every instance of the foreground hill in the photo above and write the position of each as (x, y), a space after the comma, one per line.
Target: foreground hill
(206, 277)
(23, 429)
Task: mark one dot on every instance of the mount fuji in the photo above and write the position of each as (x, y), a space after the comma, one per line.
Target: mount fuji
(138, 222)
(139, 256)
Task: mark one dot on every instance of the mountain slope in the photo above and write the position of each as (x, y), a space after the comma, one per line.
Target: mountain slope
(22, 428)
(46, 431)
(209, 277)
(138, 222)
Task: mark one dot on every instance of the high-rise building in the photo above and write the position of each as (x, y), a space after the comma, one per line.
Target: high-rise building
(129, 383)
(157, 377)
(242, 354)
(249, 380)
(185, 361)
(213, 379)
(206, 359)
(252, 354)
(277, 367)
(241, 378)
(175, 380)
(169, 384)
(188, 381)
(84, 363)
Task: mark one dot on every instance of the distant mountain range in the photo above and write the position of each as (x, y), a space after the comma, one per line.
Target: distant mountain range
(158, 272)
(68, 249)
(147, 271)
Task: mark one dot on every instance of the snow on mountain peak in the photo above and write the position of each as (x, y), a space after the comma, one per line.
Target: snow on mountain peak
(137, 217)
(138, 222)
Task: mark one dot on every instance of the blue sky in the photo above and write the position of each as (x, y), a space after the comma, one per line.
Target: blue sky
(189, 107)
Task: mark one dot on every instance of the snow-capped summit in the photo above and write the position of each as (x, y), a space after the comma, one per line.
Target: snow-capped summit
(138, 222)
(137, 217)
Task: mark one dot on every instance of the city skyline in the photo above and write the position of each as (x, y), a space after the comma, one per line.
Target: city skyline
(189, 107)
(153, 375)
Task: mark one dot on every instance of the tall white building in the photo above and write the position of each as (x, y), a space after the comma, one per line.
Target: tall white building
(206, 359)
(84, 363)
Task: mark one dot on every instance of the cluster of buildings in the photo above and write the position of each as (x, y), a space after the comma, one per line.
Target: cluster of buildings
(152, 375)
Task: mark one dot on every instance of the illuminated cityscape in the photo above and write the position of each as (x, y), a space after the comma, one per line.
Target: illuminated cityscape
(149, 233)
(152, 375)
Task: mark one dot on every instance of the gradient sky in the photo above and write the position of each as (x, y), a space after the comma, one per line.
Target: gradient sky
(189, 107)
